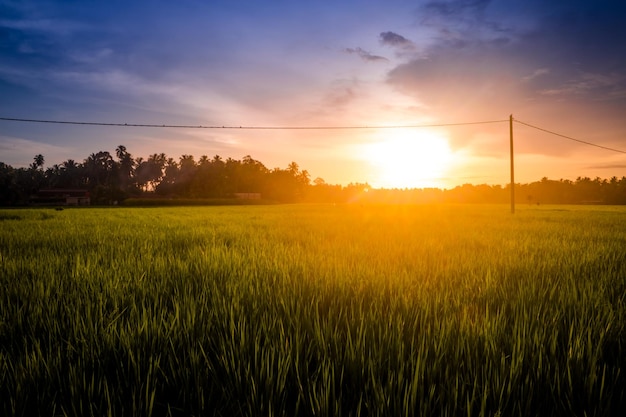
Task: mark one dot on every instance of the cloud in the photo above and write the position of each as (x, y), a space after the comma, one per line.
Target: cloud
(536, 73)
(607, 166)
(338, 99)
(451, 8)
(462, 23)
(455, 13)
(560, 52)
(603, 86)
(403, 46)
(55, 27)
(364, 55)
(395, 40)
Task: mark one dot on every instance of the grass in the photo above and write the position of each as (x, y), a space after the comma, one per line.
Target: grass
(313, 310)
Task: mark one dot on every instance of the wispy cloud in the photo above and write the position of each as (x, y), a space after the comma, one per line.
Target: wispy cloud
(57, 27)
(462, 23)
(536, 73)
(455, 8)
(598, 86)
(338, 99)
(607, 166)
(365, 55)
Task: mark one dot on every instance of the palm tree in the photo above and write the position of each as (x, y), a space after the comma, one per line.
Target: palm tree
(149, 173)
(38, 162)
(126, 165)
(71, 174)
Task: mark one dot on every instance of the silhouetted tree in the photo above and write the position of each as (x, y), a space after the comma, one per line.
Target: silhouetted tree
(149, 173)
(167, 185)
(71, 175)
(100, 174)
(126, 169)
(34, 178)
(38, 162)
(9, 186)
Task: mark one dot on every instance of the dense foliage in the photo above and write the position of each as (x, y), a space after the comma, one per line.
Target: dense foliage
(112, 179)
(301, 310)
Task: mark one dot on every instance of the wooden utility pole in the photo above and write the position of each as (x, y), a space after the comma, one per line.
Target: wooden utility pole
(512, 169)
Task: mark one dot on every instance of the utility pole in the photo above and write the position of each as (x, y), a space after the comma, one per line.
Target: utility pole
(512, 169)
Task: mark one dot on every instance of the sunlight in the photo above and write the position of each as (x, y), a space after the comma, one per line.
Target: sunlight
(409, 158)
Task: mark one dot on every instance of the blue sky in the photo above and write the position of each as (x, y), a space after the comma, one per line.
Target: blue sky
(559, 64)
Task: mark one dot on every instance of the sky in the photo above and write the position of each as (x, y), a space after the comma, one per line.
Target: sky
(559, 65)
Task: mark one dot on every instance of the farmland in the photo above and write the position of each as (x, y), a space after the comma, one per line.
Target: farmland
(309, 310)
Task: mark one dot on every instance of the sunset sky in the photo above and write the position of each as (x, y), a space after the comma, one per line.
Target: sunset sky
(559, 65)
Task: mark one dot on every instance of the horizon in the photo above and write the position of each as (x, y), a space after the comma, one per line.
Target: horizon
(313, 178)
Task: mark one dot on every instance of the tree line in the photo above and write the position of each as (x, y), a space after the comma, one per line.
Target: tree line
(111, 179)
(583, 190)
(114, 178)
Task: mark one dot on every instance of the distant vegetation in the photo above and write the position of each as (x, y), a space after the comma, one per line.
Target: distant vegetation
(313, 310)
(112, 179)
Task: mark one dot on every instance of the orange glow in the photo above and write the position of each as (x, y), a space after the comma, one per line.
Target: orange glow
(409, 158)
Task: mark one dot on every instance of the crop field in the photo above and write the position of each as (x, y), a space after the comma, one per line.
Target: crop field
(313, 310)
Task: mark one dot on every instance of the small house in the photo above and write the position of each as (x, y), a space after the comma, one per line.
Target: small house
(61, 197)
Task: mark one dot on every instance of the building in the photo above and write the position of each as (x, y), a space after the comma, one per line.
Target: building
(61, 197)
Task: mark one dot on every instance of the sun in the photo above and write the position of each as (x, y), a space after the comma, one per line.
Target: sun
(409, 158)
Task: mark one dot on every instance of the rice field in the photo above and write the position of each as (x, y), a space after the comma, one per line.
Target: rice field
(313, 310)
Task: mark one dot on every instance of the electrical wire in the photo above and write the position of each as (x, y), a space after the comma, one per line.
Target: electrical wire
(172, 126)
(568, 137)
(11, 119)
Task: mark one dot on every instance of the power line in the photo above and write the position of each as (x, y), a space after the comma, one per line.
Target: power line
(11, 119)
(339, 127)
(568, 137)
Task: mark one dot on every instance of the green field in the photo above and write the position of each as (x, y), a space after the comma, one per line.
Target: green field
(313, 310)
